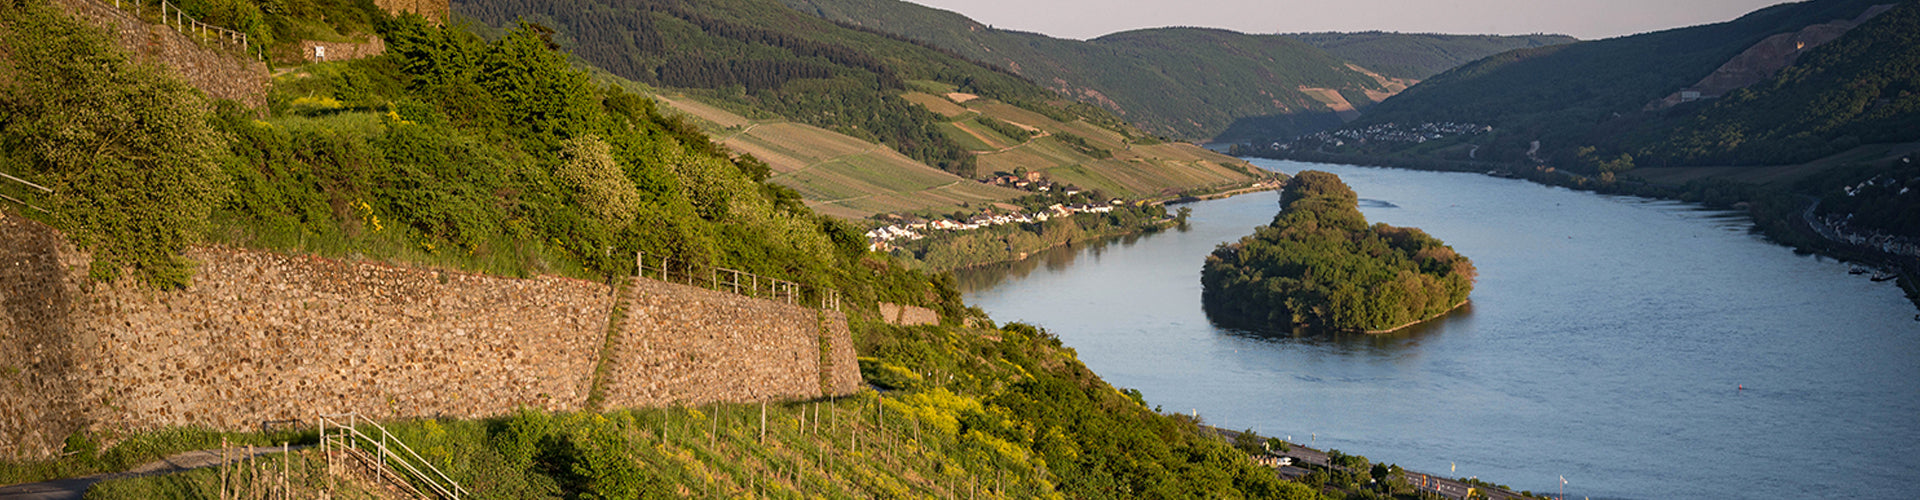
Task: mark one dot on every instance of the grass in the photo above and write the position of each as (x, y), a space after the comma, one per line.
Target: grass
(846, 177)
(90, 453)
(854, 449)
(935, 103)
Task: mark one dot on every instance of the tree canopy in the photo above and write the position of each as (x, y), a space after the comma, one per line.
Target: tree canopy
(1320, 265)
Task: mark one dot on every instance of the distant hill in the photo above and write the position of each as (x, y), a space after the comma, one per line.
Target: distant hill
(1862, 88)
(1595, 93)
(758, 54)
(1184, 82)
(1419, 56)
(859, 122)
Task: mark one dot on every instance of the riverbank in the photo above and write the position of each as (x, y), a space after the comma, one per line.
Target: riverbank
(1410, 324)
(1575, 312)
(1776, 212)
(1016, 242)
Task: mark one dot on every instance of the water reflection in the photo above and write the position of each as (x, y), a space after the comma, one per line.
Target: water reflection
(1056, 259)
(1376, 343)
(1600, 326)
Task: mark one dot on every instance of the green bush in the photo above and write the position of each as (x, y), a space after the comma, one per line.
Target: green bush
(134, 166)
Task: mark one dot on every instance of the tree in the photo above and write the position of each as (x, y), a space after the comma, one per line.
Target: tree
(126, 147)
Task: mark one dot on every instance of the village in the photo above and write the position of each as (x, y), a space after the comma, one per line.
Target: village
(881, 239)
(1385, 132)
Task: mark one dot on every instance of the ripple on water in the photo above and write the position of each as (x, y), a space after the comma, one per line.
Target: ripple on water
(1606, 342)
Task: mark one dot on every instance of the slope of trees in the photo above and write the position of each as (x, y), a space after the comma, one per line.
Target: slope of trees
(762, 55)
(1420, 55)
(450, 150)
(1590, 93)
(1183, 82)
(1319, 265)
(1862, 88)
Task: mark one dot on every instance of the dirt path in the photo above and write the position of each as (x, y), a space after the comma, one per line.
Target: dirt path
(74, 488)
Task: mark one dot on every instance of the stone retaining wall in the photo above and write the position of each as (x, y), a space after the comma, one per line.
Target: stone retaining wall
(675, 344)
(318, 51)
(266, 337)
(842, 371)
(896, 314)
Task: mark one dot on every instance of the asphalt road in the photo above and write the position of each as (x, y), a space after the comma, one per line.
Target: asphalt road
(76, 487)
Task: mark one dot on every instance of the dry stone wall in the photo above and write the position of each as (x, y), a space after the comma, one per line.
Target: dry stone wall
(688, 345)
(841, 373)
(317, 51)
(433, 10)
(41, 384)
(263, 337)
(904, 315)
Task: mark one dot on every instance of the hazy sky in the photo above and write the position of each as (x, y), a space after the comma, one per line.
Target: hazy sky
(1585, 19)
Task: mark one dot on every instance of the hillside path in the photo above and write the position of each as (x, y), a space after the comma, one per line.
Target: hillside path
(74, 488)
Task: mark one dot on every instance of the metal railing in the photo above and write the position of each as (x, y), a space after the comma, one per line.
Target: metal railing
(338, 433)
(172, 16)
(43, 189)
(670, 270)
(188, 25)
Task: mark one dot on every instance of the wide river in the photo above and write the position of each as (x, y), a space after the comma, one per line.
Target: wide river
(1608, 342)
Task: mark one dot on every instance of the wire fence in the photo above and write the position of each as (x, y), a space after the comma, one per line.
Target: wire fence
(668, 269)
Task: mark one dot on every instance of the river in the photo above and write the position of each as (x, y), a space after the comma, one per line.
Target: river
(1608, 341)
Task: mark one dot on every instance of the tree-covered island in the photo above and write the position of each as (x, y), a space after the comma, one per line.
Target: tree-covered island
(1320, 265)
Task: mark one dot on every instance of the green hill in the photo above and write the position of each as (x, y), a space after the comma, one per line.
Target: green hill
(1184, 82)
(499, 156)
(1593, 93)
(757, 58)
(1419, 56)
(1859, 89)
(758, 54)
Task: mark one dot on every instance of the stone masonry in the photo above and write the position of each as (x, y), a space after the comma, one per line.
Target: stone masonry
(904, 315)
(688, 345)
(842, 370)
(317, 51)
(217, 67)
(263, 337)
(434, 10)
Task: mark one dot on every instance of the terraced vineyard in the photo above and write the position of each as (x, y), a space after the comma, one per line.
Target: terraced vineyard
(837, 174)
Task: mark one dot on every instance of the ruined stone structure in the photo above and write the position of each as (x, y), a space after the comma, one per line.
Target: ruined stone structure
(434, 10)
(262, 337)
(905, 315)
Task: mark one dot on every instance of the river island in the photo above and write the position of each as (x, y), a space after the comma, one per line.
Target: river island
(1319, 265)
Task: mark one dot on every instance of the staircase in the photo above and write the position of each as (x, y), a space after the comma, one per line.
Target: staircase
(383, 452)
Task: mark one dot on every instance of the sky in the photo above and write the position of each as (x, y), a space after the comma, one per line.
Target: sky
(1584, 19)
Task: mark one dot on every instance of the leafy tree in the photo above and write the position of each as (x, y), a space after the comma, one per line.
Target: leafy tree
(1320, 265)
(127, 148)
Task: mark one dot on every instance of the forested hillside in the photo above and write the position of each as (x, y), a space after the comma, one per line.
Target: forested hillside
(1590, 93)
(1862, 88)
(500, 157)
(497, 157)
(759, 54)
(1184, 82)
(1419, 56)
